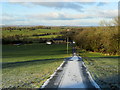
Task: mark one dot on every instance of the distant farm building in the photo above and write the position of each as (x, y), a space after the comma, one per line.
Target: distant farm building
(59, 40)
(48, 42)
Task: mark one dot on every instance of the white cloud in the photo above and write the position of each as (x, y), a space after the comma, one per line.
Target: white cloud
(57, 5)
(5, 18)
(104, 13)
(78, 6)
(108, 13)
(55, 18)
(82, 22)
(60, 5)
(69, 16)
(88, 17)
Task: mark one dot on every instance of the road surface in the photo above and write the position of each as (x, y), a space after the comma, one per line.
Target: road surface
(72, 74)
(72, 77)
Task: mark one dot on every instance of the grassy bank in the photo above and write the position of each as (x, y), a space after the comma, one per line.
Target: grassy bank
(28, 66)
(104, 69)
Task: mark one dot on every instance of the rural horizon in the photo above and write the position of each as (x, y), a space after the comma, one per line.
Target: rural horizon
(59, 45)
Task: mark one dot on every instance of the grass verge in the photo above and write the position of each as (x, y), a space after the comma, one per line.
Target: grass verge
(104, 69)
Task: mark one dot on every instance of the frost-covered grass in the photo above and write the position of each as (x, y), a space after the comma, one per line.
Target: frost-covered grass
(28, 74)
(28, 66)
(104, 69)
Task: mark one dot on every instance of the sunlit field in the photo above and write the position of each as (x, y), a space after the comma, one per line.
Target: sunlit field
(28, 66)
(29, 32)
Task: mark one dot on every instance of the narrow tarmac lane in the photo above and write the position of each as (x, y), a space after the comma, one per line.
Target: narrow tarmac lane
(72, 77)
(72, 74)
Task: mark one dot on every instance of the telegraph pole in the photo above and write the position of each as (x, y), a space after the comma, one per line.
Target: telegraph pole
(67, 40)
(67, 44)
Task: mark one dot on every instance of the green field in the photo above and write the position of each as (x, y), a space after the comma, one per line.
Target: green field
(104, 69)
(46, 36)
(27, 52)
(30, 36)
(28, 66)
(7, 33)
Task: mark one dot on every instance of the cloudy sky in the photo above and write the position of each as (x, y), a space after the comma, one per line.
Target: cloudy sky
(57, 13)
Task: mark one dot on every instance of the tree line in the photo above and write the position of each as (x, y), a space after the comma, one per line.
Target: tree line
(104, 38)
(24, 27)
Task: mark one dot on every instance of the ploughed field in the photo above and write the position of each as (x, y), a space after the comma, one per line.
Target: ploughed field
(29, 65)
